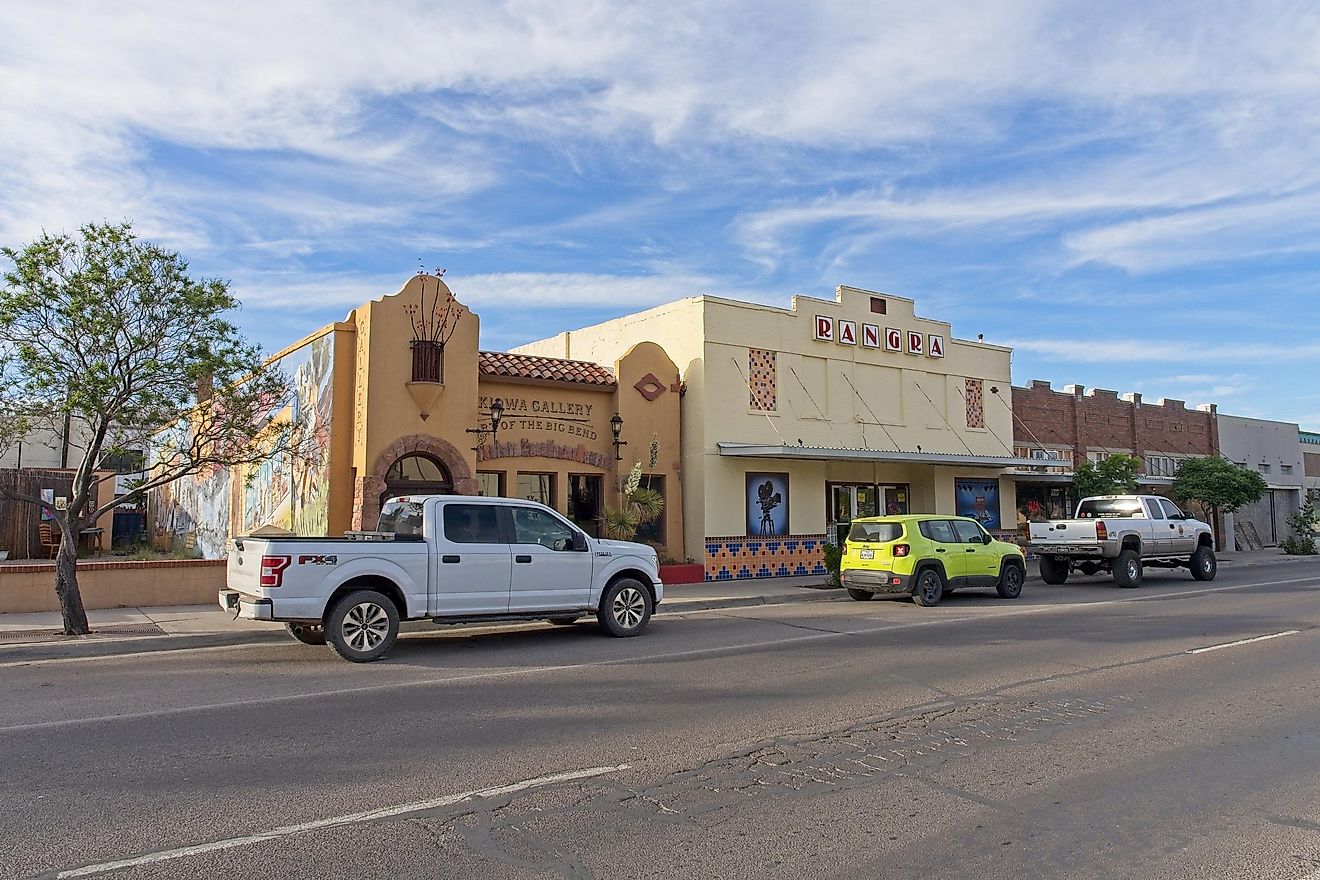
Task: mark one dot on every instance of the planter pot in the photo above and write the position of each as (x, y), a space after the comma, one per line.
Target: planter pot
(685, 573)
(4, 554)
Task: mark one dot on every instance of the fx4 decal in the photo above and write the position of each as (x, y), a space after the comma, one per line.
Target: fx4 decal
(318, 560)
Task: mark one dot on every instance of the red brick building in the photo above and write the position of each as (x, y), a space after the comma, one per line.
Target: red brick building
(1064, 428)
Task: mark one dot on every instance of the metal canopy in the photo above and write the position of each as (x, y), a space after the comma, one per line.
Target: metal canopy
(825, 453)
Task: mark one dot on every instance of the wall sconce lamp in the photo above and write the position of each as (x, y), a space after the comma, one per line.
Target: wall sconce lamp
(616, 428)
(496, 416)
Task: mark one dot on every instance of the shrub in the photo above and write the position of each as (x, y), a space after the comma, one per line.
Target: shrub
(833, 560)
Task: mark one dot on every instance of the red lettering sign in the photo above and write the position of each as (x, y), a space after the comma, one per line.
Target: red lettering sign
(893, 339)
(848, 332)
(870, 336)
(824, 328)
(915, 342)
(936, 346)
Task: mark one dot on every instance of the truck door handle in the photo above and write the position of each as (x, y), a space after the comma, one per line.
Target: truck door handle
(450, 558)
(971, 549)
(939, 549)
(522, 559)
(1172, 526)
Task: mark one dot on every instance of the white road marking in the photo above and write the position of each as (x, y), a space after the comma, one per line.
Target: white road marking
(618, 661)
(1290, 632)
(336, 821)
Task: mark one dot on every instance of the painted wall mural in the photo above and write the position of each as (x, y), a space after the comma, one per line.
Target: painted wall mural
(289, 492)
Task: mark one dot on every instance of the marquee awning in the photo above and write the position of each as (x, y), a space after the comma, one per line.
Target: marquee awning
(830, 453)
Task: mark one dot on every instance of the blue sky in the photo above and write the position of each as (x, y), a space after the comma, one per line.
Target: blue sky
(1127, 193)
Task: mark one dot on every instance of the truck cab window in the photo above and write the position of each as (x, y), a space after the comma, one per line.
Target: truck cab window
(403, 519)
(472, 524)
(532, 526)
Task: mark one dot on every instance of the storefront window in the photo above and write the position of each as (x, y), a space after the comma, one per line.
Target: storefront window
(537, 487)
(1039, 503)
(490, 484)
(584, 507)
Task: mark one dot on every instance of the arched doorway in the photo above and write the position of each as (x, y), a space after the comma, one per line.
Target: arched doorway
(417, 474)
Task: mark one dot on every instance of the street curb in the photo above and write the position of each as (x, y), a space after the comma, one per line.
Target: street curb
(60, 650)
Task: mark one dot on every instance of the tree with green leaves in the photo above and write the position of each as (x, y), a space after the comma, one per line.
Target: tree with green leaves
(1115, 475)
(109, 332)
(1217, 484)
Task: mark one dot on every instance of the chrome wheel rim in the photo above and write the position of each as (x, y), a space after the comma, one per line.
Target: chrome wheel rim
(629, 607)
(365, 626)
(1207, 564)
(1132, 570)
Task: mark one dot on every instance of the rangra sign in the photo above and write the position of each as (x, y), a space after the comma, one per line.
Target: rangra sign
(870, 336)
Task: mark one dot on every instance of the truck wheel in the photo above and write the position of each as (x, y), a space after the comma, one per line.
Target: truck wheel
(861, 595)
(362, 626)
(1010, 582)
(1204, 565)
(625, 608)
(307, 633)
(1127, 569)
(1053, 571)
(929, 589)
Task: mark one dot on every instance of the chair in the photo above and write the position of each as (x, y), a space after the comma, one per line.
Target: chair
(50, 542)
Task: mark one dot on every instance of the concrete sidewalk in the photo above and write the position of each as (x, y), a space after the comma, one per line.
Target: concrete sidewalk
(129, 630)
(37, 636)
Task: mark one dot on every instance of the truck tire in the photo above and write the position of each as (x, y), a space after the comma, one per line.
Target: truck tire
(307, 633)
(1127, 569)
(362, 626)
(861, 595)
(1010, 581)
(625, 608)
(1203, 564)
(1053, 571)
(929, 588)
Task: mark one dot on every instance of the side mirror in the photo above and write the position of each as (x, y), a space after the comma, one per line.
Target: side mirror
(987, 539)
(579, 542)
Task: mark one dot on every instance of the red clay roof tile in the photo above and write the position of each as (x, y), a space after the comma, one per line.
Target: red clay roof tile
(526, 366)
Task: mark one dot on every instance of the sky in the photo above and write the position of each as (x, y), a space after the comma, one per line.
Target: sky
(1126, 193)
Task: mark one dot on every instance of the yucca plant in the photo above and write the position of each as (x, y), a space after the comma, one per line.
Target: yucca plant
(641, 504)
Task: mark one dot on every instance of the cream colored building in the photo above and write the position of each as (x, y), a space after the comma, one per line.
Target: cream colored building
(794, 421)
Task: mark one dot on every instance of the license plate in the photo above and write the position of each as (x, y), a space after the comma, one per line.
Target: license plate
(866, 554)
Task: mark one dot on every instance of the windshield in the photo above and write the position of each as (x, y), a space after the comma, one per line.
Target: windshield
(401, 519)
(875, 532)
(1110, 508)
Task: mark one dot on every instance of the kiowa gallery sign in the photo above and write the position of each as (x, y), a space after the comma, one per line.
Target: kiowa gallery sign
(871, 336)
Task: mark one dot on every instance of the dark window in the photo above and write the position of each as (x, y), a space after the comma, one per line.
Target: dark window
(584, 508)
(532, 526)
(472, 524)
(402, 519)
(127, 461)
(653, 532)
(428, 361)
(1171, 510)
(537, 487)
(877, 305)
(939, 530)
(968, 532)
(875, 533)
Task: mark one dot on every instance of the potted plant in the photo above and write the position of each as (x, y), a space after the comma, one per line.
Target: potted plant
(4, 552)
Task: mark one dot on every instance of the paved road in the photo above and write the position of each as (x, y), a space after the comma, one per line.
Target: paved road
(1080, 731)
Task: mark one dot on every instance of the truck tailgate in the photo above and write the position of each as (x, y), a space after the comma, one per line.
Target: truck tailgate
(1068, 532)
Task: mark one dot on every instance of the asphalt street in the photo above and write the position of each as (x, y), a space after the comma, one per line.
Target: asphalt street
(1079, 731)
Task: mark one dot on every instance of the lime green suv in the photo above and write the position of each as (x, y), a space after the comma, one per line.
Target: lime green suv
(926, 556)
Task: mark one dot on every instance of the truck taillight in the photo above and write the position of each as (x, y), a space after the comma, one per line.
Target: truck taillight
(902, 549)
(1101, 531)
(272, 570)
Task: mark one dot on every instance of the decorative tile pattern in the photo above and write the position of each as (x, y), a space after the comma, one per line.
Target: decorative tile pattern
(975, 403)
(761, 375)
(732, 557)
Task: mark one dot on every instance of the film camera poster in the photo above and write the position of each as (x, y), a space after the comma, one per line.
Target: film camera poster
(978, 499)
(767, 504)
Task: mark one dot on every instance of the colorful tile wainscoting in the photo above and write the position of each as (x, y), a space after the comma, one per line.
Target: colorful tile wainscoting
(728, 558)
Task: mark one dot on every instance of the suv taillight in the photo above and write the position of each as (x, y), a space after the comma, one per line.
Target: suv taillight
(1101, 531)
(272, 570)
(902, 549)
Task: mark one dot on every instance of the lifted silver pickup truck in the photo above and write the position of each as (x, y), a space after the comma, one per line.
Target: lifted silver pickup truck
(1121, 534)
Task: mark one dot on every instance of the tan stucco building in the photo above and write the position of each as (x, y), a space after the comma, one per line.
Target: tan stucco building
(399, 397)
(797, 420)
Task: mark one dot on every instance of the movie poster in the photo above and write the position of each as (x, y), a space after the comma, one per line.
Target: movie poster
(767, 504)
(978, 499)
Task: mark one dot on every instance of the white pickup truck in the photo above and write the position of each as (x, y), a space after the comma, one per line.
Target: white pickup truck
(1122, 534)
(449, 558)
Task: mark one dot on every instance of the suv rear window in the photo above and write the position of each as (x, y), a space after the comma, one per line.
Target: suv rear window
(1110, 508)
(875, 533)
